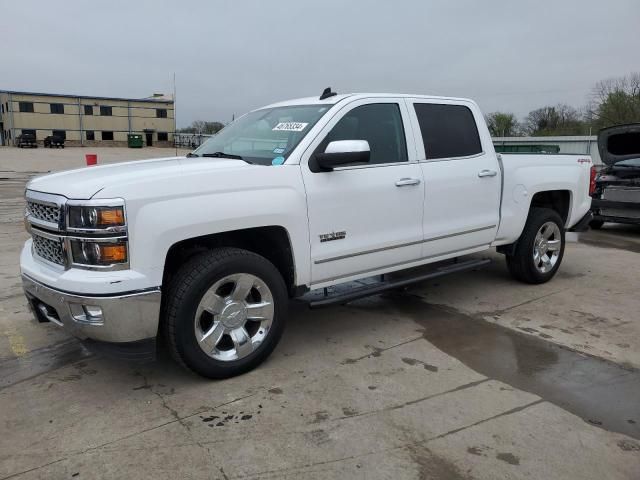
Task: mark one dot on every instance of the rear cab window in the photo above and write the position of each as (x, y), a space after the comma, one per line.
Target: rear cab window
(448, 130)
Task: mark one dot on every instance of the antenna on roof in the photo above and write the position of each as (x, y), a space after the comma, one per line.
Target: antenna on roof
(327, 93)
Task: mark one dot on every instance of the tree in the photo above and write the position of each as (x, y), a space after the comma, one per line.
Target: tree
(560, 119)
(202, 127)
(615, 101)
(502, 124)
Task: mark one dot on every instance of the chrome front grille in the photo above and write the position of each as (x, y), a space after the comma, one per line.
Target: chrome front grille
(48, 249)
(45, 213)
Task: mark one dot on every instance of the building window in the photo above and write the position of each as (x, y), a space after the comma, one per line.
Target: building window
(105, 111)
(88, 110)
(161, 112)
(107, 135)
(26, 107)
(59, 133)
(163, 137)
(57, 108)
(2, 108)
(90, 135)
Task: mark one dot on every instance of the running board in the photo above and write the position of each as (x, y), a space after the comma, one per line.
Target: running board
(342, 298)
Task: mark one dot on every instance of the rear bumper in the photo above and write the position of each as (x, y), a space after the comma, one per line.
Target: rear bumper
(618, 212)
(118, 318)
(583, 223)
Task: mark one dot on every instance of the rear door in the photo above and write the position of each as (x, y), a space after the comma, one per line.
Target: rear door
(365, 218)
(461, 173)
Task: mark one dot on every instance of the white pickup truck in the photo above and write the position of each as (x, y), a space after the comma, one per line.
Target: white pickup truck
(206, 250)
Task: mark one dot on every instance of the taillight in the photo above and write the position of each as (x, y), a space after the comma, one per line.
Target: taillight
(592, 180)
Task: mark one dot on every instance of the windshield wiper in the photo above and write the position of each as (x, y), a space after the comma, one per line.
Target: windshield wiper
(222, 155)
(191, 155)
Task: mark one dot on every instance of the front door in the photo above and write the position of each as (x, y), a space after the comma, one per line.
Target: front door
(149, 136)
(364, 219)
(461, 174)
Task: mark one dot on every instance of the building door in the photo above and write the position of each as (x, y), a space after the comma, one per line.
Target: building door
(149, 136)
(1, 133)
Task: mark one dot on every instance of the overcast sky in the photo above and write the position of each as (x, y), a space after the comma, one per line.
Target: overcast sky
(233, 56)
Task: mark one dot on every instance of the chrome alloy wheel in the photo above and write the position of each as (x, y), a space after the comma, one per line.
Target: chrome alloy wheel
(546, 247)
(234, 317)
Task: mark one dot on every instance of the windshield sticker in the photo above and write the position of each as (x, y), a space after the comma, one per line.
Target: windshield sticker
(277, 161)
(290, 127)
(278, 150)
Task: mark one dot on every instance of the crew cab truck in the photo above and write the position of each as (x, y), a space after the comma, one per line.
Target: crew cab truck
(207, 249)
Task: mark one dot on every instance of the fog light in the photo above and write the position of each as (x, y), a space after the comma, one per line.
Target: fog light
(87, 314)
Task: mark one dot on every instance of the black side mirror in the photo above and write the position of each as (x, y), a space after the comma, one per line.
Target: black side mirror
(340, 152)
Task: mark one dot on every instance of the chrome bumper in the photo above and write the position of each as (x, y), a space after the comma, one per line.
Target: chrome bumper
(127, 317)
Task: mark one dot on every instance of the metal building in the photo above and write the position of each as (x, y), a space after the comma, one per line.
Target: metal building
(587, 145)
(84, 120)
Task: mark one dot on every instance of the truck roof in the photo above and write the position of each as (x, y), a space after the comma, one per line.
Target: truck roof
(355, 96)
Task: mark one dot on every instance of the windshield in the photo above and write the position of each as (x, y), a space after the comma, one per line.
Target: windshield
(630, 162)
(266, 136)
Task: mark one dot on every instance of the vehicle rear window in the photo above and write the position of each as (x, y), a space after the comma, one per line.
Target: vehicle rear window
(448, 131)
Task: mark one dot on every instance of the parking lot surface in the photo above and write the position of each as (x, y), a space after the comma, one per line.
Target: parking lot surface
(472, 376)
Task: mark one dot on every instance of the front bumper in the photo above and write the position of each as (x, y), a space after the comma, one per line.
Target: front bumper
(118, 318)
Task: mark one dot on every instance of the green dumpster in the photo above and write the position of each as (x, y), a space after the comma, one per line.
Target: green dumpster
(134, 140)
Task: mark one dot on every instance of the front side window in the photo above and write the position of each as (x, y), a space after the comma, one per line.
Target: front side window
(28, 132)
(26, 107)
(448, 131)
(264, 136)
(380, 124)
(59, 134)
(57, 108)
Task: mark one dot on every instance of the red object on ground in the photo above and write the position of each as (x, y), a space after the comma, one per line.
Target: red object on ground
(92, 159)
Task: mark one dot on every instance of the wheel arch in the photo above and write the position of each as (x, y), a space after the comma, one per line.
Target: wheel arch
(557, 200)
(271, 242)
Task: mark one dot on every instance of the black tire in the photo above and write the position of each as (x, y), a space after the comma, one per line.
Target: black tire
(187, 288)
(521, 264)
(596, 224)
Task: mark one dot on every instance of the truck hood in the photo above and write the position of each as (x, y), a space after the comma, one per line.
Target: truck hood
(84, 183)
(621, 142)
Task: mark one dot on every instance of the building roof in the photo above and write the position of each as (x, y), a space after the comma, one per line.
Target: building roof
(153, 99)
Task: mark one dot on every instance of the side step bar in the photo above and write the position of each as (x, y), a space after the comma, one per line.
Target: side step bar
(342, 298)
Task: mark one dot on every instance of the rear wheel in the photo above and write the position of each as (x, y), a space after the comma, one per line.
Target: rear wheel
(539, 249)
(596, 224)
(225, 313)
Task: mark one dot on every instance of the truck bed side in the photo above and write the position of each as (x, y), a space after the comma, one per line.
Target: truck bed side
(524, 176)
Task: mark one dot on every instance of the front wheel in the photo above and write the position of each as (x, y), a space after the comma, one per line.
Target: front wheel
(539, 249)
(225, 312)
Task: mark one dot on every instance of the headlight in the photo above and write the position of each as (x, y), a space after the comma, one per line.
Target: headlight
(96, 217)
(96, 253)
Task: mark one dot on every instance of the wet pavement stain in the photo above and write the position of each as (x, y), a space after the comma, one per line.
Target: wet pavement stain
(600, 392)
(509, 458)
(413, 361)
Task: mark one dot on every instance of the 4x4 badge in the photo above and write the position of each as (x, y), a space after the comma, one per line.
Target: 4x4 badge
(327, 237)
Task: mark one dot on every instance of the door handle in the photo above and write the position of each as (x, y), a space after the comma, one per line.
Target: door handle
(487, 173)
(403, 182)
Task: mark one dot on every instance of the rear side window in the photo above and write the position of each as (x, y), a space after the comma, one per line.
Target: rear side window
(447, 130)
(380, 124)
